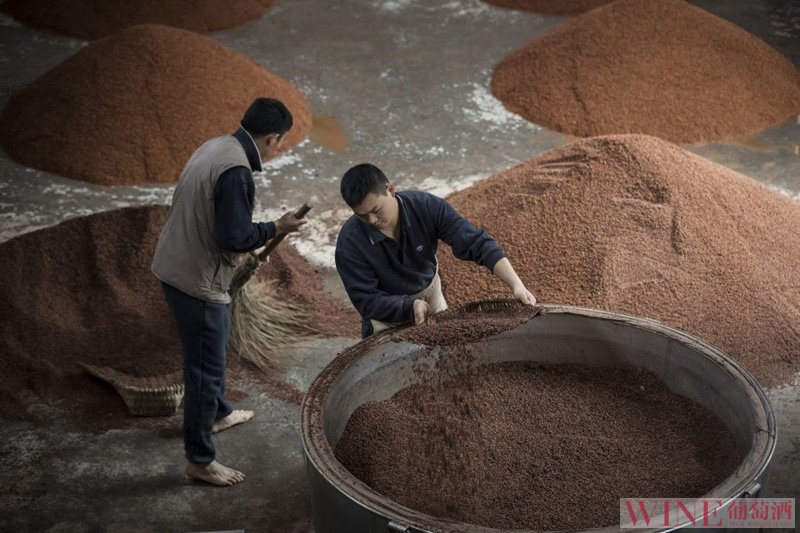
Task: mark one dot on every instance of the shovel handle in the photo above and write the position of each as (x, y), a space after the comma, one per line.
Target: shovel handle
(301, 212)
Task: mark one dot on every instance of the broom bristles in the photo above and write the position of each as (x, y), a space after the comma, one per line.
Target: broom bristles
(264, 326)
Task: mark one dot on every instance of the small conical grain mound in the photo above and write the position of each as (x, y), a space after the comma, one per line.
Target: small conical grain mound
(659, 67)
(551, 7)
(637, 225)
(132, 108)
(92, 19)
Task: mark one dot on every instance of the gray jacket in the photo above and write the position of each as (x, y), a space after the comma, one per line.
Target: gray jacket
(187, 256)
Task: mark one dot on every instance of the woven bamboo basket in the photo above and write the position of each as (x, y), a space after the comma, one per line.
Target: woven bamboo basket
(144, 396)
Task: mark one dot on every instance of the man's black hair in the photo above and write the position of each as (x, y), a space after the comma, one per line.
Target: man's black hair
(265, 116)
(361, 180)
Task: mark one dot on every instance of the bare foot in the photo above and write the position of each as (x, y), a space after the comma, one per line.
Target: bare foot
(214, 473)
(236, 417)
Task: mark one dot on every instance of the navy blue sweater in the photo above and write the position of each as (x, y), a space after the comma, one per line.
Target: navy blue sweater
(234, 198)
(380, 274)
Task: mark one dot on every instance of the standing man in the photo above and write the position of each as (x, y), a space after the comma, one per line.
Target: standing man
(386, 252)
(208, 226)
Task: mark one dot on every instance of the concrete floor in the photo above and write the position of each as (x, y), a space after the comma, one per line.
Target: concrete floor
(400, 83)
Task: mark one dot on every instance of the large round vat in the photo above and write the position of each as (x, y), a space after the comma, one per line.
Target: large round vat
(376, 368)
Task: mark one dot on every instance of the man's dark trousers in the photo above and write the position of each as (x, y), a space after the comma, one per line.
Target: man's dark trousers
(203, 328)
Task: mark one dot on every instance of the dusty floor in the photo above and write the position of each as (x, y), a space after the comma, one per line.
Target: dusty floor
(400, 83)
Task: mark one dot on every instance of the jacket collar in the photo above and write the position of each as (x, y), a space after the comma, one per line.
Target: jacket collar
(250, 148)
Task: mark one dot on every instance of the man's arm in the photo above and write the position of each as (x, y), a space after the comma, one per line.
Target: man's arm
(361, 284)
(472, 244)
(234, 229)
(508, 275)
(468, 242)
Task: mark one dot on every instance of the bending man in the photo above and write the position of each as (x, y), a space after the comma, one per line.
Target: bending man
(208, 226)
(386, 251)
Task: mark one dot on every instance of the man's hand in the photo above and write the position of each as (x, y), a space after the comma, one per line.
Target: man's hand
(421, 311)
(288, 224)
(524, 295)
(505, 272)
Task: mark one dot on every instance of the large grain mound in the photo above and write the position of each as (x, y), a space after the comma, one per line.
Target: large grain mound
(131, 108)
(91, 19)
(660, 67)
(82, 291)
(551, 7)
(637, 225)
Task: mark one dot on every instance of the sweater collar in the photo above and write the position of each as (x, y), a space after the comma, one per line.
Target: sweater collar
(250, 148)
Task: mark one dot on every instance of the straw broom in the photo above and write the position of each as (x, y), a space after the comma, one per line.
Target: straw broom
(263, 325)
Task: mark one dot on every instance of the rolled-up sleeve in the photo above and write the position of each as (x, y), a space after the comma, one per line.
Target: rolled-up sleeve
(234, 229)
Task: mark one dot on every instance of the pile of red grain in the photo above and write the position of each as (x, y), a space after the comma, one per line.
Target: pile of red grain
(132, 108)
(660, 67)
(637, 225)
(82, 291)
(301, 282)
(551, 7)
(510, 445)
(91, 19)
